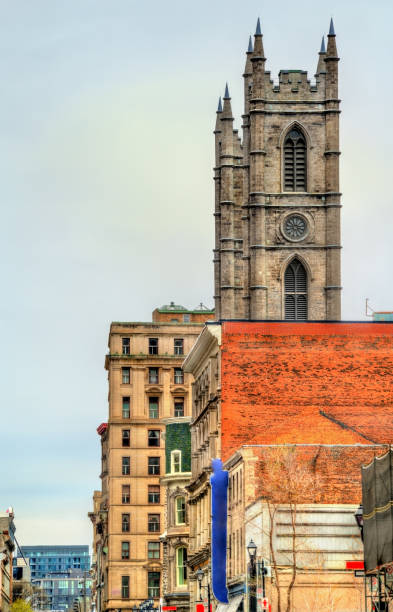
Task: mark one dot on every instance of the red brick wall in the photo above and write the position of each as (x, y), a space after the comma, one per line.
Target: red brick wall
(313, 383)
(167, 317)
(319, 474)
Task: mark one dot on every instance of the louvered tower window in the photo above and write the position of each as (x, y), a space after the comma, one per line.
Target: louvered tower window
(295, 162)
(295, 284)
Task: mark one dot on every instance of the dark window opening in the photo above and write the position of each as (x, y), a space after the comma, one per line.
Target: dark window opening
(153, 410)
(125, 523)
(295, 161)
(179, 346)
(153, 346)
(125, 342)
(153, 522)
(153, 437)
(125, 437)
(295, 285)
(153, 495)
(153, 466)
(125, 466)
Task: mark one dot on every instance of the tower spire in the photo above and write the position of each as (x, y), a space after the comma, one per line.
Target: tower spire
(321, 68)
(227, 108)
(258, 44)
(331, 46)
(250, 45)
(248, 66)
(219, 108)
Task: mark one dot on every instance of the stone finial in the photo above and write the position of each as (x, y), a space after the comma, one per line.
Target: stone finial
(323, 48)
(258, 31)
(226, 95)
(250, 46)
(331, 28)
(219, 108)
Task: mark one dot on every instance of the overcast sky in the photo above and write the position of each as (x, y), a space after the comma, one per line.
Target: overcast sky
(107, 112)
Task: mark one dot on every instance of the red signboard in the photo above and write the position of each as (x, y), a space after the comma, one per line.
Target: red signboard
(354, 565)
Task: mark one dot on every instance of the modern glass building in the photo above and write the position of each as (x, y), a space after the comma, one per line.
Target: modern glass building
(62, 572)
(50, 560)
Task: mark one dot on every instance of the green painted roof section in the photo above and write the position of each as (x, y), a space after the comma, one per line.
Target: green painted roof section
(383, 316)
(178, 308)
(178, 437)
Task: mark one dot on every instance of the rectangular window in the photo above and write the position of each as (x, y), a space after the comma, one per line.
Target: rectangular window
(153, 585)
(153, 376)
(180, 510)
(179, 346)
(181, 566)
(153, 437)
(153, 346)
(179, 376)
(125, 523)
(153, 495)
(125, 587)
(125, 437)
(126, 407)
(175, 462)
(125, 344)
(125, 550)
(153, 466)
(125, 376)
(186, 318)
(153, 407)
(179, 408)
(125, 466)
(153, 522)
(125, 494)
(153, 550)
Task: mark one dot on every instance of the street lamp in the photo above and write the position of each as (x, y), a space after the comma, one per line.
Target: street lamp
(252, 553)
(199, 574)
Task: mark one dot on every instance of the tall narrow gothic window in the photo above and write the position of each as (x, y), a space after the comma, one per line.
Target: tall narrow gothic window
(295, 162)
(295, 285)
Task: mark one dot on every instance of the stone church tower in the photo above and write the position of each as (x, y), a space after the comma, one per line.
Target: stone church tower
(277, 210)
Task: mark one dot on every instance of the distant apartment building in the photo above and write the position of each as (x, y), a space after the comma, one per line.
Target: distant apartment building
(59, 573)
(7, 546)
(61, 592)
(147, 386)
(46, 560)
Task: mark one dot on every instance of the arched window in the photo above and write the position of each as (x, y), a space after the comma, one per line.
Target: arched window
(181, 566)
(295, 161)
(295, 285)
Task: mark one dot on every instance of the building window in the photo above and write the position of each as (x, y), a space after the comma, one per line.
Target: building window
(153, 437)
(175, 461)
(153, 522)
(126, 407)
(153, 582)
(179, 346)
(125, 466)
(153, 346)
(295, 154)
(125, 523)
(125, 494)
(153, 550)
(125, 376)
(125, 550)
(153, 495)
(179, 408)
(181, 566)
(179, 376)
(153, 376)
(186, 318)
(153, 466)
(125, 437)
(180, 510)
(295, 285)
(153, 408)
(125, 343)
(125, 587)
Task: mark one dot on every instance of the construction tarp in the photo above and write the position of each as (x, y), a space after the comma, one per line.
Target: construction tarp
(377, 494)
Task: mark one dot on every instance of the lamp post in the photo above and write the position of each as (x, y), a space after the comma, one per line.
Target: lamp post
(199, 574)
(252, 553)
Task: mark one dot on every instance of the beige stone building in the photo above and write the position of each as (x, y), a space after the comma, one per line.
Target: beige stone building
(146, 387)
(7, 547)
(277, 213)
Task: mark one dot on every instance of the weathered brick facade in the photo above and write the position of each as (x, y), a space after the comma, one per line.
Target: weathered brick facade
(252, 249)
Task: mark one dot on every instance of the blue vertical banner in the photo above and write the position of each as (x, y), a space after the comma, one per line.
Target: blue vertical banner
(219, 498)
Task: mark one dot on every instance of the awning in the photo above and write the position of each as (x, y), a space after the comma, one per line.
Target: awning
(232, 606)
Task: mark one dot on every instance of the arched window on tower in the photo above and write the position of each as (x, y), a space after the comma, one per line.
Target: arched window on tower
(295, 161)
(295, 286)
